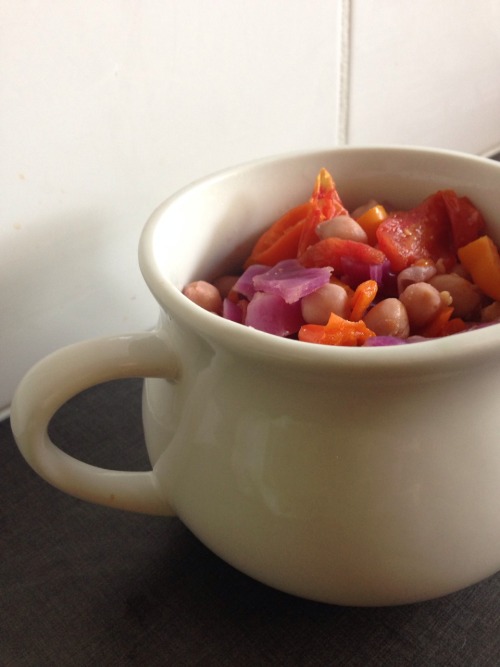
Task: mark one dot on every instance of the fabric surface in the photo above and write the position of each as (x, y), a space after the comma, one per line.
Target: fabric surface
(83, 585)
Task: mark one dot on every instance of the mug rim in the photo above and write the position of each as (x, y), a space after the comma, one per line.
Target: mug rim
(432, 356)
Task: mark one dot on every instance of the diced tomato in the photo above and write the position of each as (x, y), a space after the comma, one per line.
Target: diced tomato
(326, 196)
(421, 232)
(330, 251)
(467, 223)
(325, 204)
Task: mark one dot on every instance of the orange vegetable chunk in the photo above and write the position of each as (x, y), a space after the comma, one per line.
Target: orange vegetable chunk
(337, 331)
(363, 296)
(480, 258)
(370, 221)
(281, 240)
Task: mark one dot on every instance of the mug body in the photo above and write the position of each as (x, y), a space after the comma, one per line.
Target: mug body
(362, 476)
(358, 491)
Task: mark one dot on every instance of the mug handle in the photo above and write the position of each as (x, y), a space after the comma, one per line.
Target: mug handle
(65, 373)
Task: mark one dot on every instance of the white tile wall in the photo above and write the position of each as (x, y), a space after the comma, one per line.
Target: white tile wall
(109, 107)
(425, 72)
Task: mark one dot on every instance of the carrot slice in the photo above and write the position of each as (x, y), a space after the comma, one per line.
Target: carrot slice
(480, 258)
(453, 326)
(337, 331)
(443, 324)
(311, 333)
(280, 241)
(308, 234)
(362, 298)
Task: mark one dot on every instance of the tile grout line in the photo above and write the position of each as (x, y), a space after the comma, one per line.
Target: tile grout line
(344, 73)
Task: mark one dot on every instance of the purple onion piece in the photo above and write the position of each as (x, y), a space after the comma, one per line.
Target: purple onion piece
(355, 272)
(389, 286)
(270, 313)
(291, 281)
(232, 311)
(382, 341)
(244, 285)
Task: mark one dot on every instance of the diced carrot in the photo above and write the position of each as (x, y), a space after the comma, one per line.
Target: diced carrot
(370, 220)
(443, 324)
(311, 333)
(308, 235)
(337, 331)
(435, 327)
(481, 259)
(453, 326)
(362, 298)
(281, 240)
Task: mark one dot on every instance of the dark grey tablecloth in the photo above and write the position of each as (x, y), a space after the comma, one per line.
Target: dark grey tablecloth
(89, 586)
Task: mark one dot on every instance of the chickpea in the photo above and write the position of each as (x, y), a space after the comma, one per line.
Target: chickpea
(422, 302)
(330, 298)
(466, 299)
(416, 273)
(388, 318)
(204, 295)
(342, 227)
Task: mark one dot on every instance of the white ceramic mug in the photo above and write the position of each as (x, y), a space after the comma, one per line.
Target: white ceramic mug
(366, 476)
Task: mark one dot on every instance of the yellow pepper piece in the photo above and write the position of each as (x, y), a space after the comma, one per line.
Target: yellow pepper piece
(480, 258)
(370, 220)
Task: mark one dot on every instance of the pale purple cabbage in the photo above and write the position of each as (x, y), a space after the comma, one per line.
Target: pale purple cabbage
(232, 311)
(274, 294)
(244, 285)
(272, 314)
(383, 341)
(291, 281)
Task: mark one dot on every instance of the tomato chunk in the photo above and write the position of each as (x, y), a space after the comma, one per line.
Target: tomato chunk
(423, 232)
(325, 204)
(330, 251)
(281, 240)
(467, 223)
